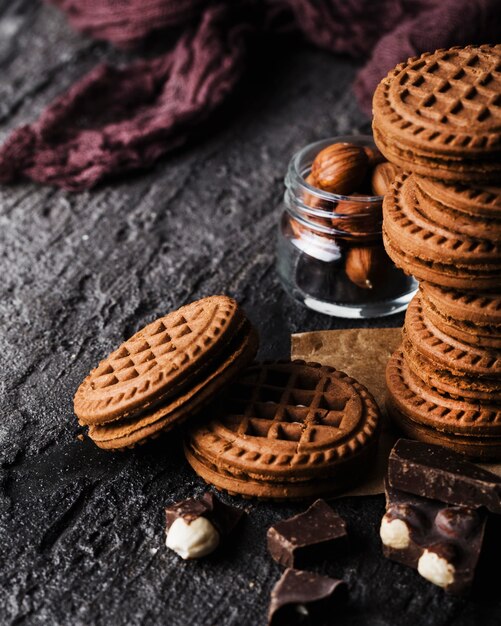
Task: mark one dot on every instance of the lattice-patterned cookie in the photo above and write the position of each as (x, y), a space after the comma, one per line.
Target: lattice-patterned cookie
(423, 413)
(476, 308)
(473, 388)
(470, 317)
(156, 361)
(433, 252)
(439, 114)
(451, 218)
(446, 352)
(124, 433)
(477, 200)
(287, 430)
(165, 372)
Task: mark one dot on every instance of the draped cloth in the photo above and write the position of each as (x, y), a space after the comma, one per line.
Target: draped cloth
(119, 119)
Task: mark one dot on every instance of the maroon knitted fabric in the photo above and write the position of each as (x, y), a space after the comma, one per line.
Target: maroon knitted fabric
(115, 120)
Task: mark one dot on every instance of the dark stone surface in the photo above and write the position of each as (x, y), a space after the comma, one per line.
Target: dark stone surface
(81, 530)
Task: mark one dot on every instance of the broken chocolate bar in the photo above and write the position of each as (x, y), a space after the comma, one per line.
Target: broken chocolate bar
(305, 598)
(442, 542)
(433, 472)
(318, 533)
(195, 526)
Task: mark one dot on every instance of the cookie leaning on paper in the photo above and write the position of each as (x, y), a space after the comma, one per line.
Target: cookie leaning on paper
(286, 430)
(166, 372)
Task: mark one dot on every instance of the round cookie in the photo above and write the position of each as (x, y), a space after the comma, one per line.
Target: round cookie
(127, 433)
(446, 352)
(478, 310)
(476, 448)
(474, 318)
(431, 252)
(439, 115)
(425, 414)
(287, 430)
(445, 382)
(472, 199)
(165, 372)
(155, 362)
(449, 213)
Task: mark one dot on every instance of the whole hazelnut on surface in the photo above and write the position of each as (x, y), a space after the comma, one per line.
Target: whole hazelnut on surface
(365, 265)
(340, 168)
(382, 177)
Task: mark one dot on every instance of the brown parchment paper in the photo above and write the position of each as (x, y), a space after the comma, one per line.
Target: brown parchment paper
(363, 354)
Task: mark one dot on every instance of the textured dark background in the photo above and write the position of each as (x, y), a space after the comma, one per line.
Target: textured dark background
(81, 530)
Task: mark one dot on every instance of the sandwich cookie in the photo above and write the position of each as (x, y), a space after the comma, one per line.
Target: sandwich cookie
(473, 211)
(432, 252)
(439, 114)
(474, 318)
(446, 352)
(286, 430)
(166, 372)
(422, 413)
(482, 390)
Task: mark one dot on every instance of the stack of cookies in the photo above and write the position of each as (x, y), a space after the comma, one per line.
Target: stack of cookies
(438, 118)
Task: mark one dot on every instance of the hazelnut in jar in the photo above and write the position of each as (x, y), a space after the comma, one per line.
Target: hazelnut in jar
(330, 253)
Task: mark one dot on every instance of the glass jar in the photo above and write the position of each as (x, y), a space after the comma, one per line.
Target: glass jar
(330, 253)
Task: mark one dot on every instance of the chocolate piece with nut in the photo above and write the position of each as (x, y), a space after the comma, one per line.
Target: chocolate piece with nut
(195, 526)
(305, 598)
(318, 533)
(442, 542)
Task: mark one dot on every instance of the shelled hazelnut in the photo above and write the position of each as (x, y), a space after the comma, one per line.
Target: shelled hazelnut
(358, 218)
(313, 201)
(365, 265)
(340, 168)
(382, 177)
(374, 155)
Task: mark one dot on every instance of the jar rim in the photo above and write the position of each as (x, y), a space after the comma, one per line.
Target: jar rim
(296, 171)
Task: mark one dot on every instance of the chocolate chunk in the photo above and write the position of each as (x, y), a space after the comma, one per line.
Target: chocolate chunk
(442, 542)
(317, 534)
(433, 472)
(305, 598)
(223, 516)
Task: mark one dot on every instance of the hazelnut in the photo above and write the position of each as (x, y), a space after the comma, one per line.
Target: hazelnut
(192, 540)
(456, 521)
(382, 177)
(313, 242)
(435, 565)
(374, 155)
(365, 265)
(313, 201)
(358, 218)
(340, 168)
(394, 533)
